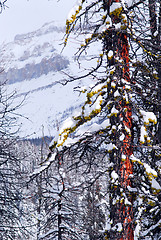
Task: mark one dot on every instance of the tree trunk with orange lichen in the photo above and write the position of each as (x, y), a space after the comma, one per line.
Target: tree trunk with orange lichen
(126, 212)
(122, 210)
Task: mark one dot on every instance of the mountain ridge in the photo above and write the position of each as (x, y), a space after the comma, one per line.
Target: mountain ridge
(33, 65)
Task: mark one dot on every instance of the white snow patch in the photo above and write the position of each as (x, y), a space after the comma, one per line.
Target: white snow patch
(127, 202)
(122, 137)
(148, 117)
(111, 146)
(155, 184)
(116, 94)
(68, 123)
(114, 176)
(114, 111)
(149, 170)
(134, 159)
(143, 134)
(117, 26)
(123, 157)
(114, 6)
(110, 54)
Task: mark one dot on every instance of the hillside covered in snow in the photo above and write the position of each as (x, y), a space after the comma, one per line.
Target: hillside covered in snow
(33, 64)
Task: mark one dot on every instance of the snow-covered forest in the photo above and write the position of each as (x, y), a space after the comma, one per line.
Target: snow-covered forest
(99, 177)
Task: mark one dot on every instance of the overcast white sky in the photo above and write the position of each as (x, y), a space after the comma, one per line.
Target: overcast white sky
(22, 16)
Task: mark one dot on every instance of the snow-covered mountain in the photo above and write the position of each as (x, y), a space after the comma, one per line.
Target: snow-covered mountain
(33, 66)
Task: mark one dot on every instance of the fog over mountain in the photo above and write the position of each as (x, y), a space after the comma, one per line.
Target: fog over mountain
(33, 65)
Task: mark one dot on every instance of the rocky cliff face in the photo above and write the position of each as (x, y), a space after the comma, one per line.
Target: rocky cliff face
(32, 55)
(35, 70)
(33, 65)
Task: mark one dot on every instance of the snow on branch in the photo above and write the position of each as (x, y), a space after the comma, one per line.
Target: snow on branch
(44, 165)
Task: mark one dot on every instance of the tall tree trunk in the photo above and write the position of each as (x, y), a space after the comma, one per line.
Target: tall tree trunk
(122, 211)
(125, 209)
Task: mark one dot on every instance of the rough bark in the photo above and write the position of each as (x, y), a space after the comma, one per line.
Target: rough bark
(123, 212)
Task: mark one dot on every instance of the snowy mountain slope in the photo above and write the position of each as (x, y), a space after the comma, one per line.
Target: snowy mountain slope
(33, 66)
(44, 104)
(37, 44)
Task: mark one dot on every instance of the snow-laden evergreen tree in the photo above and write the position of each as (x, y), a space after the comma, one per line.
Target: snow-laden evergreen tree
(116, 128)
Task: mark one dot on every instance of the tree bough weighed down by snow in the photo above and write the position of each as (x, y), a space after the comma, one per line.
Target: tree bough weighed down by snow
(118, 119)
